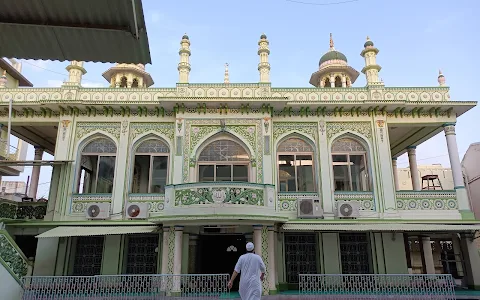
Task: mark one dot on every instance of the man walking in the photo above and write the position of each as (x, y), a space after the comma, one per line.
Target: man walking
(252, 268)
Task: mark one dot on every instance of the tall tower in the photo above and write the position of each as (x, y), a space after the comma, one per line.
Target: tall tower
(371, 68)
(264, 65)
(184, 65)
(441, 78)
(75, 72)
(226, 77)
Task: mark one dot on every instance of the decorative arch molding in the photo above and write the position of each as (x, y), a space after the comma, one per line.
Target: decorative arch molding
(296, 134)
(166, 131)
(80, 144)
(362, 129)
(150, 135)
(222, 135)
(306, 129)
(248, 131)
(360, 138)
(112, 129)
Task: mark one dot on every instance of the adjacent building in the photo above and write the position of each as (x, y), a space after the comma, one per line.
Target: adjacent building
(175, 180)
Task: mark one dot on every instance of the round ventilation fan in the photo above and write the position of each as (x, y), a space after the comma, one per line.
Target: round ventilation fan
(133, 211)
(93, 211)
(346, 210)
(306, 207)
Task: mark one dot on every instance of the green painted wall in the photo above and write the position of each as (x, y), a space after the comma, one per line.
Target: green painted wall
(394, 253)
(112, 255)
(62, 257)
(379, 253)
(46, 257)
(331, 253)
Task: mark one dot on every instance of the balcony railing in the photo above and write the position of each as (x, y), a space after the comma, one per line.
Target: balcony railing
(156, 202)
(377, 286)
(12, 257)
(81, 201)
(221, 193)
(366, 199)
(22, 210)
(158, 286)
(427, 200)
(287, 201)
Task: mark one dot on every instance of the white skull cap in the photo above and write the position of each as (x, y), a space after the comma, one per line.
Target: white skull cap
(250, 246)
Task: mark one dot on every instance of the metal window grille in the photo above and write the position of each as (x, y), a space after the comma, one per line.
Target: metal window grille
(354, 251)
(88, 256)
(300, 255)
(376, 286)
(126, 287)
(141, 254)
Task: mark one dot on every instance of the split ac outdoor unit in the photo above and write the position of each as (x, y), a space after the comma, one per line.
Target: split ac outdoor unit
(137, 210)
(309, 208)
(347, 209)
(97, 211)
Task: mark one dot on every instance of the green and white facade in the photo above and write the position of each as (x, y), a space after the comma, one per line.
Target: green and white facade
(183, 176)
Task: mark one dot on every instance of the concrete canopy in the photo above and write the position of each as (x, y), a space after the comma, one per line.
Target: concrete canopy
(87, 30)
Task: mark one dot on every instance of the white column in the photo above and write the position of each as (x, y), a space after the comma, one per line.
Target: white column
(32, 191)
(165, 237)
(428, 255)
(450, 136)
(257, 239)
(177, 258)
(462, 197)
(412, 159)
(395, 174)
(332, 81)
(471, 260)
(271, 260)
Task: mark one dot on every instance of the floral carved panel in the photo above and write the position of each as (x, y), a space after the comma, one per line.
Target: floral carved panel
(364, 128)
(84, 128)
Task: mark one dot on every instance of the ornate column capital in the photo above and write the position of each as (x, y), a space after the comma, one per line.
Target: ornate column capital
(178, 228)
(449, 128)
(411, 150)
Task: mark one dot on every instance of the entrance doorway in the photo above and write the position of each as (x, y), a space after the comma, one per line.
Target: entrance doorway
(218, 254)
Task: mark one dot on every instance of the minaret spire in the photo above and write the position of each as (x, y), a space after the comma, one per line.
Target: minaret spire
(184, 65)
(75, 72)
(226, 78)
(371, 68)
(441, 78)
(264, 65)
(332, 45)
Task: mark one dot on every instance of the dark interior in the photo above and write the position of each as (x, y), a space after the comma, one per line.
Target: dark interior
(28, 244)
(218, 254)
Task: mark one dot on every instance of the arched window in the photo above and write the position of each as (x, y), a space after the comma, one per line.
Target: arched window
(123, 82)
(338, 81)
(350, 168)
(327, 82)
(135, 83)
(223, 160)
(150, 169)
(97, 167)
(295, 166)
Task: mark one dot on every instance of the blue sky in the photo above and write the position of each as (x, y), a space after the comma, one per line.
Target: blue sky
(415, 38)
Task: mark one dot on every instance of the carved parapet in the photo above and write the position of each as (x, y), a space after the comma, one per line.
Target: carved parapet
(427, 200)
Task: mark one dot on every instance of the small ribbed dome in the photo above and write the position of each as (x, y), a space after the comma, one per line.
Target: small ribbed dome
(263, 36)
(185, 37)
(331, 55)
(368, 43)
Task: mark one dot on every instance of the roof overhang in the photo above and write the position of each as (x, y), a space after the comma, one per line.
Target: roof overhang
(67, 231)
(382, 227)
(22, 81)
(24, 163)
(65, 30)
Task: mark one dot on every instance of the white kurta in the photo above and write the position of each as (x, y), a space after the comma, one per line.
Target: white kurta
(250, 266)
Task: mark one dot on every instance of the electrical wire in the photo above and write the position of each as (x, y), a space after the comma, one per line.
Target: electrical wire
(322, 4)
(58, 73)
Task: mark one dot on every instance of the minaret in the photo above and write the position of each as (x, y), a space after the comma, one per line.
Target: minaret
(371, 68)
(226, 77)
(75, 72)
(3, 80)
(184, 65)
(264, 66)
(441, 78)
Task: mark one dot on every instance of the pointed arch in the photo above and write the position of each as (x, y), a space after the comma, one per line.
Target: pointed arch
(123, 82)
(351, 163)
(223, 157)
(295, 156)
(327, 82)
(150, 165)
(222, 135)
(97, 155)
(135, 83)
(338, 81)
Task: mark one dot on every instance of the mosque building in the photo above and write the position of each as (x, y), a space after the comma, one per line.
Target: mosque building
(176, 180)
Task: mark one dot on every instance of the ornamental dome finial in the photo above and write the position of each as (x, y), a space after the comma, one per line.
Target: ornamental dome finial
(332, 46)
